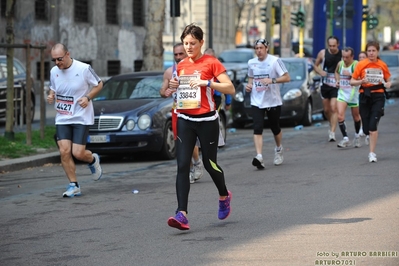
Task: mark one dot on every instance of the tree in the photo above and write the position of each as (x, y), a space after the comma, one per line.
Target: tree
(9, 133)
(153, 45)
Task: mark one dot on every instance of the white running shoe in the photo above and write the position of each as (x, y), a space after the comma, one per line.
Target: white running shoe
(344, 143)
(278, 156)
(258, 162)
(191, 175)
(356, 142)
(372, 157)
(361, 133)
(198, 173)
(72, 191)
(367, 140)
(95, 168)
(331, 136)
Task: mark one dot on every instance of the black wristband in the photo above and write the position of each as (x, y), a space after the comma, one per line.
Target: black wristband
(88, 98)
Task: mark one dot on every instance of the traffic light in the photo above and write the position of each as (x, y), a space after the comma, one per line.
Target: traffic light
(277, 15)
(372, 22)
(301, 19)
(263, 14)
(365, 12)
(298, 19)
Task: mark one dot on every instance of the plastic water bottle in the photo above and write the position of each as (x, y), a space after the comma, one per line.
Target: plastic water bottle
(232, 130)
(317, 125)
(298, 127)
(135, 191)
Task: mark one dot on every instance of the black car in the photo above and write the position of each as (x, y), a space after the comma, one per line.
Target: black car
(301, 96)
(131, 117)
(236, 63)
(19, 82)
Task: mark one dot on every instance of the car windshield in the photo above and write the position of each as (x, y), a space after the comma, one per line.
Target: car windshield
(390, 59)
(235, 56)
(133, 88)
(296, 70)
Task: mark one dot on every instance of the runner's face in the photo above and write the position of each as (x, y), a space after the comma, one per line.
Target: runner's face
(362, 56)
(261, 51)
(179, 53)
(372, 53)
(347, 57)
(333, 46)
(192, 46)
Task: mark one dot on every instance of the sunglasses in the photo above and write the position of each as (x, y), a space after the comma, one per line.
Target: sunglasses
(262, 41)
(59, 58)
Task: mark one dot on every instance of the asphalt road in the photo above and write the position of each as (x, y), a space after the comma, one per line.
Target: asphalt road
(323, 206)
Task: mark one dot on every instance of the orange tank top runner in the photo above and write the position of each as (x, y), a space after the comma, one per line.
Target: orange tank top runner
(375, 72)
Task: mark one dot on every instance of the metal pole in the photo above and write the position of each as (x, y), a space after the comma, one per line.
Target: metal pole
(210, 22)
(344, 24)
(42, 100)
(28, 98)
(173, 21)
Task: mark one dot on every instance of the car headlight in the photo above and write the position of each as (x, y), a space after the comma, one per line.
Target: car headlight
(292, 94)
(144, 122)
(239, 97)
(130, 125)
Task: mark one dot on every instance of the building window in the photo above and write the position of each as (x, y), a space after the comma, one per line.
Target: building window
(41, 10)
(3, 6)
(114, 67)
(112, 12)
(81, 11)
(46, 70)
(138, 18)
(138, 64)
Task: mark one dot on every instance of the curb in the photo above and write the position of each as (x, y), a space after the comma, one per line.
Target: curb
(30, 161)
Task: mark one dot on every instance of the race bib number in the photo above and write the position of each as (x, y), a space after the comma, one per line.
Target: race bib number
(64, 105)
(188, 97)
(344, 82)
(374, 76)
(330, 80)
(259, 86)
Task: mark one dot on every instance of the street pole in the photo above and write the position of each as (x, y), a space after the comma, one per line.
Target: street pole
(364, 30)
(210, 24)
(269, 20)
(344, 23)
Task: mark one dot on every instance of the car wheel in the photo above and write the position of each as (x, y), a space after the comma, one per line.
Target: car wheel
(307, 116)
(222, 127)
(168, 151)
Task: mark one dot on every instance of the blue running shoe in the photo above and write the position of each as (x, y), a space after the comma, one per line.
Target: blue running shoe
(179, 221)
(72, 191)
(224, 207)
(95, 168)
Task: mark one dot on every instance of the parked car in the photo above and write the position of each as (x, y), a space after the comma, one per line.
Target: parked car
(236, 62)
(301, 96)
(392, 60)
(132, 117)
(19, 79)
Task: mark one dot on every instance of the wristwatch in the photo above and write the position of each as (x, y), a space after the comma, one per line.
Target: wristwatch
(88, 98)
(274, 81)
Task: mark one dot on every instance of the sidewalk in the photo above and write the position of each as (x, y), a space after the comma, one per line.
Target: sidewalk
(30, 161)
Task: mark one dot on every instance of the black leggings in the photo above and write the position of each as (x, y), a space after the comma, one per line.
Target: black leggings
(371, 109)
(208, 135)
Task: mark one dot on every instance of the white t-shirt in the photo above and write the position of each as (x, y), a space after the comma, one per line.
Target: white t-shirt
(265, 96)
(69, 86)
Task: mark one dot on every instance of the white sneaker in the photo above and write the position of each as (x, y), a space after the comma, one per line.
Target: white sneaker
(278, 156)
(367, 140)
(198, 173)
(95, 168)
(72, 191)
(258, 162)
(344, 143)
(361, 133)
(372, 157)
(191, 175)
(356, 142)
(331, 136)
